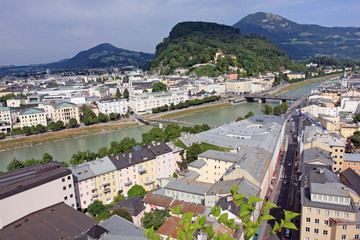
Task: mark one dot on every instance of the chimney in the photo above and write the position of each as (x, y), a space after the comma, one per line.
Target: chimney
(130, 155)
(117, 157)
(153, 143)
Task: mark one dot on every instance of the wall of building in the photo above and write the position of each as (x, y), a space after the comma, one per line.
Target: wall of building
(86, 191)
(107, 185)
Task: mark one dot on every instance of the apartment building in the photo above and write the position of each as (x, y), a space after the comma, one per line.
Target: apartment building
(32, 117)
(147, 101)
(106, 180)
(238, 86)
(113, 105)
(64, 111)
(85, 185)
(33, 188)
(15, 102)
(352, 160)
(165, 163)
(5, 115)
(328, 210)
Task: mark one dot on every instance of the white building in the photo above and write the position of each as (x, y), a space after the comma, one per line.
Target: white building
(145, 102)
(32, 117)
(113, 105)
(33, 188)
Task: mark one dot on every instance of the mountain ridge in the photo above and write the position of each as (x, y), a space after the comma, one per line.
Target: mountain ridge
(303, 41)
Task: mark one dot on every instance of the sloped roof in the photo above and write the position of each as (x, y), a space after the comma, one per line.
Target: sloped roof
(169, 227)
(64, 105)
(96, 231)
(32, 111)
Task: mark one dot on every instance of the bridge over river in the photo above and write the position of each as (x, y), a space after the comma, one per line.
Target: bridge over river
(263, 97)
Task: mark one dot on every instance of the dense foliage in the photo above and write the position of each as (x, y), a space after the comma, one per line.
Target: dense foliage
(122, 213)
(159, 87)
(190, 43)
(17, 164)
(155, 219)
(136, 191)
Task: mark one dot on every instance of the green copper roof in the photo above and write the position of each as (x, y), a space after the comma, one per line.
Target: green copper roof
(63, 105)
(32, 111)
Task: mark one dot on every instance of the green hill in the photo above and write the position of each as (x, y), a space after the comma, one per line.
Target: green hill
(303, 41)
(103, 55)
(191, 43)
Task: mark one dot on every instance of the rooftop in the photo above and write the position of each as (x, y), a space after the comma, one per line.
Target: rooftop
(20, 180)
(64, 105)
(193, 187)
(32, 111)
(352, 157)
(101, 166)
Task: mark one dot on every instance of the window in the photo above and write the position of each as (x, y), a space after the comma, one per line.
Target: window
(317, 211)
(64, 188)
(356, 236)
(325, 232)
(357, 227)
(71, 196)
(327, 212)
(69, 177)
(69, 185)
(307, 238)
(349, 164)
(343, 237)
(316, 231)
(326, 222)
(65, 198)
(344, 227)
(308, 210)
(317, 221)
(307, 229)
(308, 219)
(346, 215)
(336, 214)
(63, 179)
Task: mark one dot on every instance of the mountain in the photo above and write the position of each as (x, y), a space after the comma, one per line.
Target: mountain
(191, 43)
(103, 55)
(303, 41)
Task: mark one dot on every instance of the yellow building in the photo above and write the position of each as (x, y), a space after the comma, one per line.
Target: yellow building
(64, 111)
(347, 130)
(32, 117)
(147, 174)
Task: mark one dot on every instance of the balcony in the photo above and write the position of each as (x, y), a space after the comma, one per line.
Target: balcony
(95, 195)
(149, 183)
(106, 190)
(105, 184)
(142, 171)
(128, 183)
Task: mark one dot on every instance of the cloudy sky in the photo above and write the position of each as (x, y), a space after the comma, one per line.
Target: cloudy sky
(42, 31)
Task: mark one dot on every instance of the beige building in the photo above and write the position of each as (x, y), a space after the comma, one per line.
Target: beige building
(238, 86)
(64, 111)
(15, 102)
(32, 117)
(33, 188)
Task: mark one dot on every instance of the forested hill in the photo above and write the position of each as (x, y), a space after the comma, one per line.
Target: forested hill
(303, 41)
(191, 43)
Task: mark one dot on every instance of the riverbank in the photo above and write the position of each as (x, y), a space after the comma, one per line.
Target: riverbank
(305, 82)
(191, 110)
(9, 144)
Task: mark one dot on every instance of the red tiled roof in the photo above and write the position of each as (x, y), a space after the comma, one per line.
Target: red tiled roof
(188, 207)
(169, 227)
(157, 199)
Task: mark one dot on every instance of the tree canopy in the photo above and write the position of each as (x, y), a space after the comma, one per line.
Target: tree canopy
(159, 87)
(137, 191)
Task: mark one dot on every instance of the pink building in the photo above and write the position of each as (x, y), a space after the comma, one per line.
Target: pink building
(85, 187)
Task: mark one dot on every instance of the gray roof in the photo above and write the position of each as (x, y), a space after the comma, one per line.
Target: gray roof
(224, 187)
(197, 164)
(329, 188)
(120, 228)
(189, 187)
(189, 174)
(82, 172)
(223, 156)
(101, 166)
(133, 205)
(317, 154)
(260, 131)
(352, 157)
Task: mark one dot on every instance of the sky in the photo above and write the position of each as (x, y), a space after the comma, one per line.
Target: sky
(44, 31)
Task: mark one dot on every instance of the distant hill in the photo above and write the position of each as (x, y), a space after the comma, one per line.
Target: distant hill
(303, 41)
(191, 43)
(103, 55)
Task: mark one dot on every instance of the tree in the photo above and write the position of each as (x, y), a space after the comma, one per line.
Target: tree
(65, 164)
(192, 152)
(267, 110)
(31, 162)
(119, 197)
(126, 93)
(245, 212)
(175, 175)
(277, 110)
(26, 130)
(40, 128)
(96, 208)
(136, 190)
(102, 117)
(89, 117)
(284, 107)
(103, 152)
(73, 123)
(239, 118)
(356, 118)
(122, 213)
(172, 131)
(118, 94)
(155, 134)
(355, 139)
(112, 116)
(159, 87)
(155, 219)
(15, 164)
(249, 114)
(46, 158)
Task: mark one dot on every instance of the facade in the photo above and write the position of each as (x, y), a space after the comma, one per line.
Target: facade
(147, 101)
(238, 86)
(41, 186)
(15, 102)
(64, 111)
(165, 163)
(5, 115)
(85, 185)
(314, 110)
(352, 160)
(32, 117)
(115, 105)
(106, 180)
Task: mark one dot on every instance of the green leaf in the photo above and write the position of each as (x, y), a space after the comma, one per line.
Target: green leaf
(234, 190)
(223, 218)
(230, 222)
(202, 221)
(290, 215)
(290, 225)
(267, 217)
(187, 226)
(215, 211)
(253, 200)
(276, 228)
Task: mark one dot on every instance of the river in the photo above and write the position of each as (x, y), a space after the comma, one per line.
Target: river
(62, 150)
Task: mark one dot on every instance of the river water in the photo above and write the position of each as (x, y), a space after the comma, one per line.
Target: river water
(62, 150)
